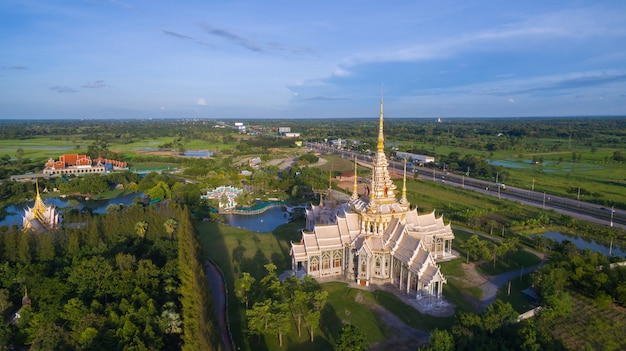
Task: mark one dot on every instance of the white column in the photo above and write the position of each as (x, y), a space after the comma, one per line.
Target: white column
(408, 282)
(368, 269)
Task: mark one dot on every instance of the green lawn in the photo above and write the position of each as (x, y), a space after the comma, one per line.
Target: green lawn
(237, 250)
(520, 301)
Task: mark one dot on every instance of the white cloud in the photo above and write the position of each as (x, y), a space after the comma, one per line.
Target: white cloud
(511, 100)
(201, 102)
(341, 72)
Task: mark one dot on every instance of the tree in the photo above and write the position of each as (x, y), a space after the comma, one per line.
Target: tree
(258, 317)
(270, 282)
(5, 302)
(45, 249)
(476, 248)
(280, 322)
(141, 227)
(440, 340)
(243, 286)
(497, 315)
(19, 154)
(170, 227)
(299, 305)
(313, 315)
(351, 338)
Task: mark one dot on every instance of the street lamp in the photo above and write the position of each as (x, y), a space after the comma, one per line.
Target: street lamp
(612, 212)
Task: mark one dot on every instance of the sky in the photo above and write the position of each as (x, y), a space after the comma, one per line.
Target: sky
(311, 59)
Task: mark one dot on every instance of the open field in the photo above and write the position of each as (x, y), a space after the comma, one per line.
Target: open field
(599, 178)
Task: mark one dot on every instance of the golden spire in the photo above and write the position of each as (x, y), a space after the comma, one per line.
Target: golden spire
(404, 200)
(39, 207)
(381, 137)
(355, 194)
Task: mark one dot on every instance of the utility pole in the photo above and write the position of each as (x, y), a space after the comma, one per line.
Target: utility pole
(498, 184)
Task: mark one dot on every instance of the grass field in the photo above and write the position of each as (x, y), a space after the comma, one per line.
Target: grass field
(238, 250)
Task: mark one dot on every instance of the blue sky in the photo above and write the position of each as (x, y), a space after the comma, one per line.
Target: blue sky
(310, 59)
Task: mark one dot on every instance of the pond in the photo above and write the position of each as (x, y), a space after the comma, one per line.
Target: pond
(198, 153)
(584, 244)
(546, 166)
(15, 212)
(262, 223)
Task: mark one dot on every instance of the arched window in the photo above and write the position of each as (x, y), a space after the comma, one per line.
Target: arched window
(337, 259)
(325, 260)
(314, 264)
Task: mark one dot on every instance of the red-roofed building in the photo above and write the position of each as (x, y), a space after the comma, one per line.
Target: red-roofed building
(81, 164)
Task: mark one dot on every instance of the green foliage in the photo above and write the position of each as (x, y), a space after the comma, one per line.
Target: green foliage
(351, 338)
(440, 340)
(199, 331)
(104, 288)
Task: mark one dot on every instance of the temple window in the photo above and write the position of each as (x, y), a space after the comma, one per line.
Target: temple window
(314, 264)
(325, 260)
(337, 259)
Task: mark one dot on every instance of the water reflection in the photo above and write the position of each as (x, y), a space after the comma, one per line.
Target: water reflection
(15, 212)
(263, 222)
(584, 244)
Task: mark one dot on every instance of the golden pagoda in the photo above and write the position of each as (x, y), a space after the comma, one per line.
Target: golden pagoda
(40, 217)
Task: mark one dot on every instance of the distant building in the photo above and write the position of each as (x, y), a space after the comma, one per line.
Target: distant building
(346, 177)
(292, 135)
(255, 162)
(423, 159)
(240, 127)
(78, 164)
(338, 143)
(225, 195)
(284, 130)
(40, 218)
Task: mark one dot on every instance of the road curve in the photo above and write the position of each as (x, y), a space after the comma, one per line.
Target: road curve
(218, 292)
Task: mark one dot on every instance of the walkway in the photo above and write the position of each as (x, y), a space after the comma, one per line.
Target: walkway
(493, 283)
(218, 292)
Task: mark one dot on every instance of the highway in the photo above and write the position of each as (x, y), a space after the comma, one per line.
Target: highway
(571, 207)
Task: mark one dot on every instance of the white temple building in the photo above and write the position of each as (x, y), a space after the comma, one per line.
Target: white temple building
(40, 217)
(225, 195)
(374, 238)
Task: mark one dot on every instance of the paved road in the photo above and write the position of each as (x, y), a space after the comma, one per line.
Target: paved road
(218, 291)
(578, 209)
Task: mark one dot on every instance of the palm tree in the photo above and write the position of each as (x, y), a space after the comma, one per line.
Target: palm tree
(141, 227)
(170, 226)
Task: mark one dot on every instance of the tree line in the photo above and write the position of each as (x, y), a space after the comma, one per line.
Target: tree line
(127, 280)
